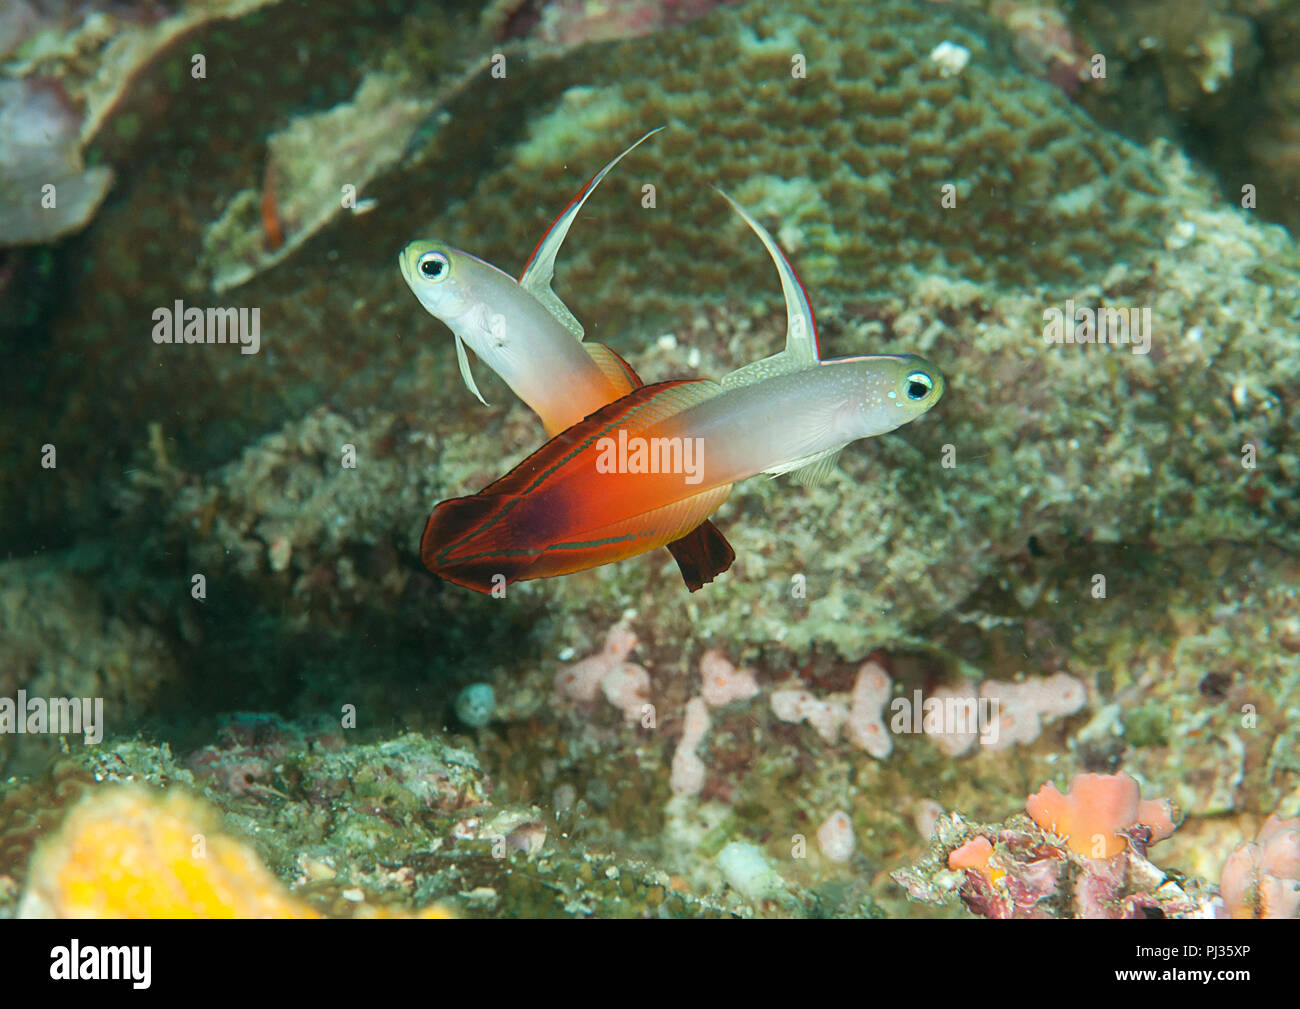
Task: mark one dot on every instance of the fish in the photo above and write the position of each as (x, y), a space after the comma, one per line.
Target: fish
(521, 329)
(596, 493)
(529, 337)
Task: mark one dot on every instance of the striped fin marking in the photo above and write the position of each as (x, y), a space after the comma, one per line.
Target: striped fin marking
(457, 523)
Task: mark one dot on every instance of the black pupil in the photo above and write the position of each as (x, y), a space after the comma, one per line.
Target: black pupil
(916, 390)
(432, 268)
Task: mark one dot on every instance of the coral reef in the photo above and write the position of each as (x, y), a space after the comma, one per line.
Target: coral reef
(301, 194)
(1053, 867)
(1219, 74)
(860, 133)
(1103, 541)
(61, 636)
(880, 274)
(130, 853)
(401, 826)
(64, 67)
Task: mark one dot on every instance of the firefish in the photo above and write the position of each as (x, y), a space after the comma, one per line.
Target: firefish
(528, 336)
(521, 329)
(651, 466)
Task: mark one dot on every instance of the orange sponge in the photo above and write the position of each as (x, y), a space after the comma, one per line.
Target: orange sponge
(136, 853)
(1091, 814)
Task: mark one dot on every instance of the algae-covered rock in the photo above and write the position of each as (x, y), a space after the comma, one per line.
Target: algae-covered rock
(403, 826)
(64, 69)
(1118, 512)
(62, 638)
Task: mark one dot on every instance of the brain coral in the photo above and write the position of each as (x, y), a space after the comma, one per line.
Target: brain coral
(831, 121)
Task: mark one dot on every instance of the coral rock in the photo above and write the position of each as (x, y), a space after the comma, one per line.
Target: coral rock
(131, 853)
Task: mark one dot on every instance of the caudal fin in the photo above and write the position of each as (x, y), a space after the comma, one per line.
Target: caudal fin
(702, 555)
(481, 568)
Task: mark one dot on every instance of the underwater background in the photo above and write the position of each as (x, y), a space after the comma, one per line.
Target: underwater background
(222, 546)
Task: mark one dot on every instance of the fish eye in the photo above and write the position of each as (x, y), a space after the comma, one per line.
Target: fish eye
(433, 266)
(919, 385)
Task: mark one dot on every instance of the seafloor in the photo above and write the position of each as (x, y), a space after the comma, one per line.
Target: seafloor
(1106, 541)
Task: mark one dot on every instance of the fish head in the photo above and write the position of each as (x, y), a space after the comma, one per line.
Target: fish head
(448, 283)
(893, 390)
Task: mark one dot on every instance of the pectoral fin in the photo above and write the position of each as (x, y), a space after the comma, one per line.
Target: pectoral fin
(540, 268)
(801, 350)
(810, 470)
(462, 358)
